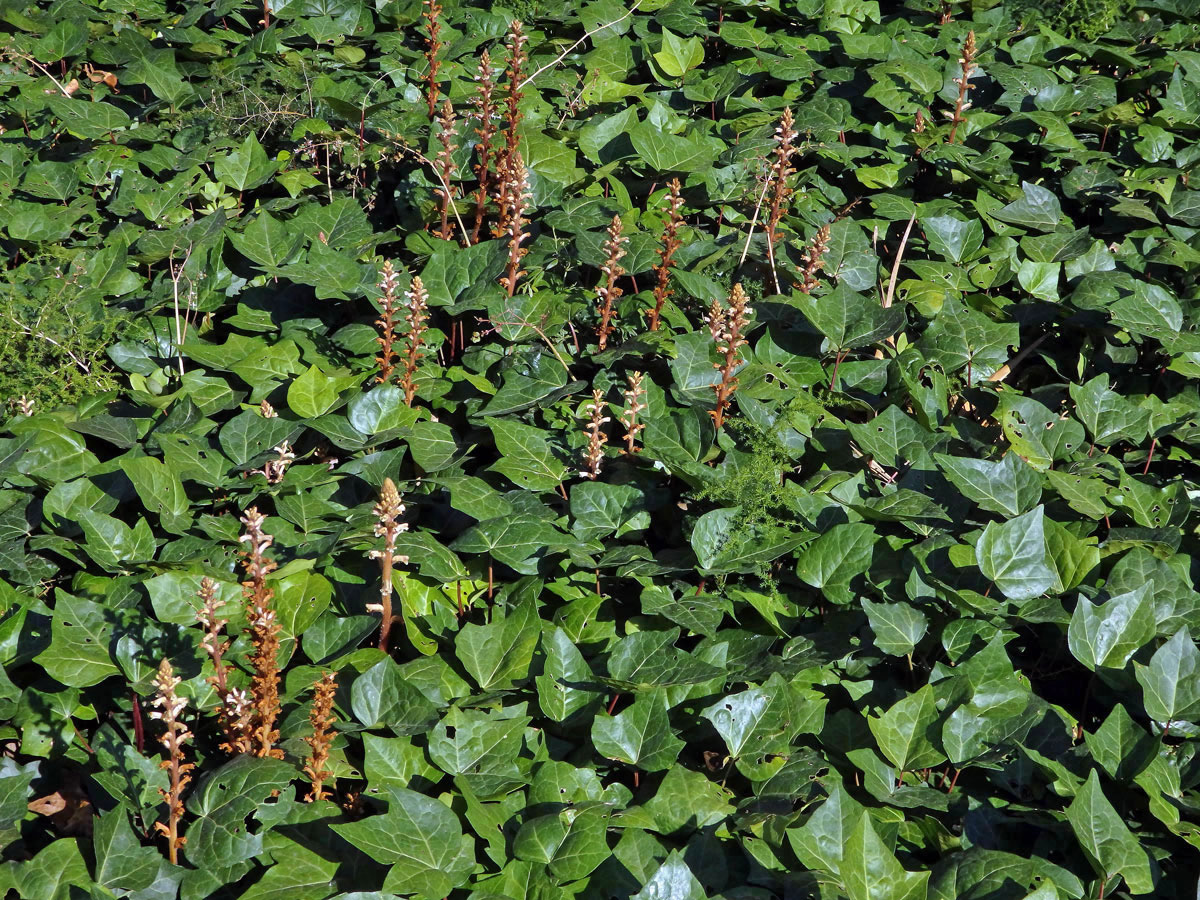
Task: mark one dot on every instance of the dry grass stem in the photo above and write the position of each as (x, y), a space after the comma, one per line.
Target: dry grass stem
(388, 526)
(728, 328)
(635, 405)
(445, 165)
(417, 319)
(666, 253)
(322, 719)
(264, 636)
(168, 709)
(967, 61)
(386, 323)
(594, 454)
(607, 291)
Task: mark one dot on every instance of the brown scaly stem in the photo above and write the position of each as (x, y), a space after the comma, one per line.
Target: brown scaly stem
(967, 61)
(264, 636)
(512, 212)
(635, 396)
(727, 327)
(387, 511)
(666, 253)
(322, 719)
(417, 319)
(233, 714)
(445, 164)
(813, 261)
(780, 190)
(594, 454)
(386, 323)
(506, 162)
(433, 46)
(168, 708)
(607, 291)
(484, 114)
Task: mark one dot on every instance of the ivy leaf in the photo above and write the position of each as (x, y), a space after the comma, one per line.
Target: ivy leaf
(421, 839)
(897, 626)
(498, 654)
(870, 871)
(81, 631)
(1108, 843)
(223, 805)
(1013, 556)
(639, 735)
(679, 56)
(246, 167)
(907, 732)
(1106, 635)
(526, 456)
(1171, 683)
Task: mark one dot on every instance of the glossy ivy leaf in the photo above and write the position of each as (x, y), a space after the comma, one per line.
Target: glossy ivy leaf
(897, 626)
(526, 456)
(1106, 635)
(1106, 840)
(561, 687)
(224, 805)
(1171, 682)
(849, 319)
(870, 871)
(421, 839)
(672, 880)
(498, 654)
(122, 862)
(1006, 486)
(639, 735)
(381, 696)
(907, 732)
(1013, 556)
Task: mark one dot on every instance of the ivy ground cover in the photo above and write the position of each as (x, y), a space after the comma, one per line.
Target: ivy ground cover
(601, 450)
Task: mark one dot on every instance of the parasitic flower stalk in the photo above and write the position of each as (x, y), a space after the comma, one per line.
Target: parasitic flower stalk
(484, 114)
(433, 46)
(322, 719)
(264, 637)
(386, 323)
(274, 469)
(508, 155)
(387, 511)
(666, 253)
(417, 319)
(168, 709)
(777, 178)
(266, 410)
(233, 717)
(635, 405)
(969, 69)
(728, 328)
(445, 167)
(607, 291)
(594, 454)
(515, 198)
(813, 261)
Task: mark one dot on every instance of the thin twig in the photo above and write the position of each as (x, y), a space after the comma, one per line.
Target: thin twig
(891, 288)
(554, 62)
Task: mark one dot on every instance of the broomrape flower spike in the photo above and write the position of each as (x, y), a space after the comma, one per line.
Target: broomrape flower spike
(387, 512)
(168, 709)
(781, 170)
(666, 253)
(727, 327)
(445, 165)
(264, 636)
(386, 323)
(484, 113)
(433, 46)
(813, 261)
(322, 720)
(607, 291)
(233, 717)
(417, 320)
(969, 69)
(635, 394)
(512, 213)
(594, 454)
